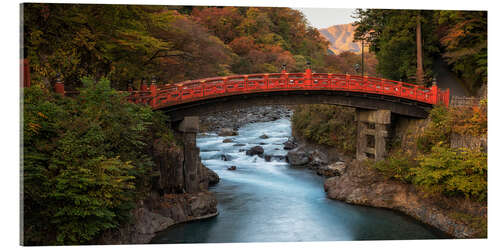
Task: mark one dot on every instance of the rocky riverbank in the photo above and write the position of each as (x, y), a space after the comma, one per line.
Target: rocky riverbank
(324, 160)
(158, 212)
(236, 118)
(178, 193)
(364, 186)
(350, 181)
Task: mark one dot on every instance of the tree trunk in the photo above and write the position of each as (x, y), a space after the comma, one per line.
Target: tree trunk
(420, 68)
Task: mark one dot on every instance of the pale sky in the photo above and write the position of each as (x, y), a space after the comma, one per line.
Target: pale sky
(326, 17)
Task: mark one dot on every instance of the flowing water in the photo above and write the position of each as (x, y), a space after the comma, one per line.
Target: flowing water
(273, 202)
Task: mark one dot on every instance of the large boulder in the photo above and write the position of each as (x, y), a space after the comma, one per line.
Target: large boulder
(227, 132)
(213, 178)
(318, 158)
(257, 150)
(201, 204)
(335, 169)
(298, 157)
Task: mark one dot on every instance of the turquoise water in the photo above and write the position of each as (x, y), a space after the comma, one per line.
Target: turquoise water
(272, 202)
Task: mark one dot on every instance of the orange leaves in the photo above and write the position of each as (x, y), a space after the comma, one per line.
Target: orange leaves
(242, 45)
(34, 127)
(42, 115)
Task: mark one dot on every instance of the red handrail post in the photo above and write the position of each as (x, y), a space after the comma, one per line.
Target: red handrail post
(246, 82)
(308, 76)
(447, 98)
(225, 84)
(153, 93)
(348, 80)
(266, 79)
(434, 94)
(284, 76)
(202, 82)
(330, 84)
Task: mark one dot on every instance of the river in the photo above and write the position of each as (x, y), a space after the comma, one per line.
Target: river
(273, 202)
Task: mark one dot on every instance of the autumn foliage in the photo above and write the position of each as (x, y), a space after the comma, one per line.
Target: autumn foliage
(130, 44)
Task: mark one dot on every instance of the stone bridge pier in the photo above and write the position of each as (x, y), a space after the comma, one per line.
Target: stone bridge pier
(373, 130)
(193, 172)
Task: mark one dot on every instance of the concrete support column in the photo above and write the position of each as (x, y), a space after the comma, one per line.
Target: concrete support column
(373, 130)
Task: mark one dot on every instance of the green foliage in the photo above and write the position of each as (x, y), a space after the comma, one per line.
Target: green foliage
(458, 36)
(438, 168)
(120, 42)
(438, 131)
(130, 42)
(453, 172)
(85, 161)
(397, 166)
(445, 121)
(326, 124)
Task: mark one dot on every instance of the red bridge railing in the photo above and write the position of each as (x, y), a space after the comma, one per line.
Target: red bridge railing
(165, 95)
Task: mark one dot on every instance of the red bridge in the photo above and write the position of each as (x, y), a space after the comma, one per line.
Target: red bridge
(363, 92)
(378, 102)
(162, 96)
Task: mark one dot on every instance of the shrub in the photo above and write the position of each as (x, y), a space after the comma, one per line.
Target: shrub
(328, 125)
(396, 166)
(440, 169)
(438, 131)
(453, 172)
(85, 159)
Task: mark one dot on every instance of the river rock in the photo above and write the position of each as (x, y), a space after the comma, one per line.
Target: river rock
(225, 157)
(318, 158)
(231, 168)
(227, 140)
(268, 157)
(264, 136)
(227, 132)
(201, 204)
(213, 178)
(335, 169)
(239, 145)
(298, 157)
(257, 150)
(290, 144)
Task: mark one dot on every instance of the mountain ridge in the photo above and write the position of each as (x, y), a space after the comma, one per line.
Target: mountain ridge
(340, 38)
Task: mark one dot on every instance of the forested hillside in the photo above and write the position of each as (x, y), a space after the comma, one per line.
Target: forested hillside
(128, 43)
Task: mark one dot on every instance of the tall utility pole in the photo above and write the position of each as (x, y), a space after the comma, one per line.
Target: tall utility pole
(363, 57)
(420, 67)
